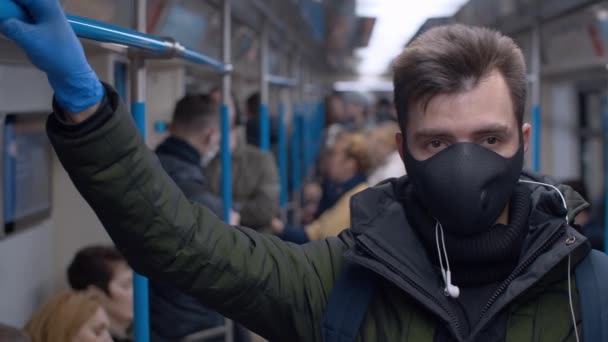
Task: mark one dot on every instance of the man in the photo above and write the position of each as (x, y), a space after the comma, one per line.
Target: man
(193, 143)
(104, 273)
(461, 98)
(255, 180)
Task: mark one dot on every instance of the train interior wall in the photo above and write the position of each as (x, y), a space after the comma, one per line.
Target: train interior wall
(33, 261)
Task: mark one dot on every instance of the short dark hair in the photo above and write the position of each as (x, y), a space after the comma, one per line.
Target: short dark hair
(195, 112)
(454, 58)
(94, 265)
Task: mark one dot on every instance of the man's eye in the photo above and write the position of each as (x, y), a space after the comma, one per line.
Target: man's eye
(491, 140)
(435, 144)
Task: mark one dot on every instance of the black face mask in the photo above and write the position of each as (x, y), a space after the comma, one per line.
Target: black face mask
(465, 187)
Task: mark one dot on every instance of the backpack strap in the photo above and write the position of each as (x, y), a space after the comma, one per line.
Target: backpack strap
(347, 304)
(592, 283)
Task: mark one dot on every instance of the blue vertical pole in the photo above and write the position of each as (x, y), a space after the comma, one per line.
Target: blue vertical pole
(226, 124)
(536, 86)
(295, 151)
(264, 90)
(264, 127)
(283, 156)
(138, 110)
(226, 162)
(536, 128)
(120, 79)
(140, 283)
(604, 105)
(304, 143)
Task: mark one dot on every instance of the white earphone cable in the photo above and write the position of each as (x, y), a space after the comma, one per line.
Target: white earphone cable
(443, 273)
(570, 298)
(569, 257)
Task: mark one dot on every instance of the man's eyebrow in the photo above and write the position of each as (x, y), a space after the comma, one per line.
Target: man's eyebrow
(432, 132)
(484, 130)
(492, 129)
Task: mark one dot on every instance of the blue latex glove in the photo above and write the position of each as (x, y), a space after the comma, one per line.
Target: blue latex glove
(52, 46)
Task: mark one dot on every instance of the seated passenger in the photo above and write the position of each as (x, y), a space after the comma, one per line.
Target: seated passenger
(348, 167)
(255, 180)
(71, 317)
(11, 334)
(102, 272)
(386, 160)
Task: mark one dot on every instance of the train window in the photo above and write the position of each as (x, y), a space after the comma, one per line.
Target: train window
(26, 172)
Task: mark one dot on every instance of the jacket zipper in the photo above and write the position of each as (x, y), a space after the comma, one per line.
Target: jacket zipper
(420, 289)
(519, 270)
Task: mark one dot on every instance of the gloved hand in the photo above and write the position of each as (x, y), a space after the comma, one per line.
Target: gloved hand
(52, 46)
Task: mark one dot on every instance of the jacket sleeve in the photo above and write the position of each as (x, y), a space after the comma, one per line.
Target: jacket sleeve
(259, 210)
(278, 290)
(197, 193)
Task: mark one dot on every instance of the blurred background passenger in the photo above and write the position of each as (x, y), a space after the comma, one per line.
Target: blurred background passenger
(102, 272)
(311, 195)
(386, 161)
(71, 317)
(385, 111)
(358, 112)
(348, 169)
(253, 123)
(255, 180)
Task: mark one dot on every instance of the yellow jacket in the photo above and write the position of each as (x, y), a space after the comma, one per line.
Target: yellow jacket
(335, 219)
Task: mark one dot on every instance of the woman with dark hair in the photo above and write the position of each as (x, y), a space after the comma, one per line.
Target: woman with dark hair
(102, 272)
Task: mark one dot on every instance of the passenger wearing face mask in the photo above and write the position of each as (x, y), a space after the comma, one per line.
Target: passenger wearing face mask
(193, 142)
(467, 247)
(103, 273)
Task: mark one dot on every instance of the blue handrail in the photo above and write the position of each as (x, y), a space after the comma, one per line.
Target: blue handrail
(281, 81)
(102, 32)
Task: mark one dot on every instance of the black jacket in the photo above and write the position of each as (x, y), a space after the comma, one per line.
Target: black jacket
(174, 314)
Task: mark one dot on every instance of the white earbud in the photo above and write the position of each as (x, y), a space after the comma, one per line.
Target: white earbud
(450, 289)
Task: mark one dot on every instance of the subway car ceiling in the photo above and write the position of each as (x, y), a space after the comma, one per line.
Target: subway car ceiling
(324, 34)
